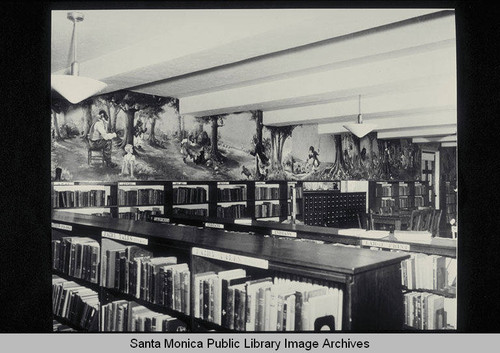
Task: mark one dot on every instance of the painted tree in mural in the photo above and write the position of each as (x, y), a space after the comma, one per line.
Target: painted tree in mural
(338, 169)
(215, 122)
(130, 103)
(279, 134)
(86, 106)
(156, 106)
(109, 102)
(59, 105)
(257, 117)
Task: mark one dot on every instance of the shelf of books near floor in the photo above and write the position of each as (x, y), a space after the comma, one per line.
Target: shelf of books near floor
(75, 286)
(338, 287)
(429, 282)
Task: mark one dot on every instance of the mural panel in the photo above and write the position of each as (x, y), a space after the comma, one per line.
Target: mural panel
(146, 139)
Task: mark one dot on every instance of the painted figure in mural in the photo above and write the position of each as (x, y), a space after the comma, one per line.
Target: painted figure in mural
(128, 163)
(99, 137)
(312, 159)
(386, 161)
(261, 160)
(139, 131)
(188, 148)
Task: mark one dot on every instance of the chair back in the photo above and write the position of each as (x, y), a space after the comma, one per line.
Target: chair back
(415, 219)
(436, 220)
(426, 221)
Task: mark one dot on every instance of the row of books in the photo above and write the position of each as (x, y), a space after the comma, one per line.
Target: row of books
(141, 197)
(77, 198)
(299, 192)
(420, 189)
(203, 212)
(403, 190)
(419, 201)
(384, 190)
(60, 327)
(267, 209)
(75, 303)
(140, 215)
(78, 257)
(182, 195)
(238, 193)
(235, 301)
(432, 272)
(387, 203)
(158, 280)
(233, 211)
(405, 202)
(428, 311)
(267, 193)
(129, 316)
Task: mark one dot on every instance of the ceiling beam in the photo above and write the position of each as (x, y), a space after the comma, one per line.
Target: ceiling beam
(372, 45)
(418, 69)
(435, 98)
(451, 138)
(417, 132)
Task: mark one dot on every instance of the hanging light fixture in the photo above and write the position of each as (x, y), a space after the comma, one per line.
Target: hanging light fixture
(360, 129)
(74, 87)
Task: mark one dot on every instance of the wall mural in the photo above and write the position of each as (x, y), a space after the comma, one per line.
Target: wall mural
(145, 138)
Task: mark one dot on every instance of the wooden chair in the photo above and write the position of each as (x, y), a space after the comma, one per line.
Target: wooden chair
(415, 220)
(426, 220)
(436, 220)
(95, 154)
(365, 221)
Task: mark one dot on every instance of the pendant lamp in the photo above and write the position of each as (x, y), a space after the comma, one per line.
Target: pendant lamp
(360, 129)
(73, 87)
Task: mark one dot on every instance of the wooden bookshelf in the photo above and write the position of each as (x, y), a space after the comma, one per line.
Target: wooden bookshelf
(370, 280)
(395, 197)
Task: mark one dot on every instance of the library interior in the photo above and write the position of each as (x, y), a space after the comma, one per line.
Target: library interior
(254, 170)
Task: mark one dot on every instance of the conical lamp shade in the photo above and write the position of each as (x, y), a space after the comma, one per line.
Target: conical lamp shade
(360, 130)
(76, 88)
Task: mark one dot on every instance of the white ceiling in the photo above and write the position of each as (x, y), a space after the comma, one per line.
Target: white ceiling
(297, 65)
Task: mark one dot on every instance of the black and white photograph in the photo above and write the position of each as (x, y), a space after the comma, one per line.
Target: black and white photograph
(216, 174)
(331, 131)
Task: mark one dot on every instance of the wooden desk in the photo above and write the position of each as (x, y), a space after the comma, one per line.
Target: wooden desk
(398, 221)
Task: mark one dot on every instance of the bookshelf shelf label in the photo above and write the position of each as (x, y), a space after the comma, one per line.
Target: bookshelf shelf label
(223, 256)
(385, 245)
(179, 183)
(284, 233)
(223, 183)
(128, 183)
(214, 225)
(62, 226)
(161, 219)
(124, 237)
